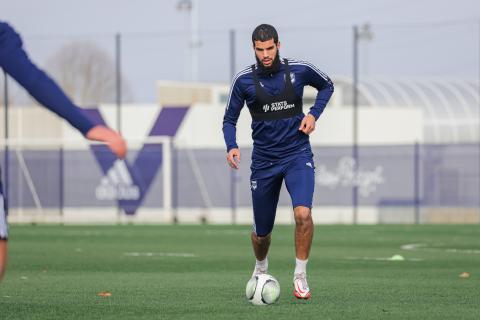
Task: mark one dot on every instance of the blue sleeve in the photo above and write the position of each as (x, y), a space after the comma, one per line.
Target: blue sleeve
(15, 62)
(323, 84)
(235, 103)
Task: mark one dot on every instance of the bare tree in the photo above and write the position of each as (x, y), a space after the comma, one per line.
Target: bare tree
(86, 73)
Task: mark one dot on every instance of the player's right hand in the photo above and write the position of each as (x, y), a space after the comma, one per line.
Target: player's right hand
(113, 139)
(233, 158)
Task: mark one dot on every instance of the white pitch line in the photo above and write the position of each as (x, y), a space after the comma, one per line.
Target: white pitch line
(381, 259)
(161, 254)
(423, 247)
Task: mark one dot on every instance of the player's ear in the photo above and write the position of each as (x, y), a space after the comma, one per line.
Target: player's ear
(278, 45)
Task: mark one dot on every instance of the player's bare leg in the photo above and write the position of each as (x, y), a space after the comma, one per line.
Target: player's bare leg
(260, 248)
(303, 232)
(3, 257)
(303, 242)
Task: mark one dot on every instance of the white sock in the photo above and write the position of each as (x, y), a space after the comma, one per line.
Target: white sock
(300, 266)
(262, 265)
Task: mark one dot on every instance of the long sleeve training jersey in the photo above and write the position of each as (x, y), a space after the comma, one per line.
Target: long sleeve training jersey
(275, 140)
(15, 62)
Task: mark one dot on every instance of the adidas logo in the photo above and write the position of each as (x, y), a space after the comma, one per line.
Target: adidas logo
(309, 164)
(117, 184)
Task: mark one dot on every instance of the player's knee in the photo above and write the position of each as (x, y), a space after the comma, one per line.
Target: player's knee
(302, 214)
(262, 238)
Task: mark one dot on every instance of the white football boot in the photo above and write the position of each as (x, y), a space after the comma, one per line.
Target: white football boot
(300, 286)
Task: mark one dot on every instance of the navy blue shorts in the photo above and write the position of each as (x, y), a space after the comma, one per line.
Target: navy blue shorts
(3, 213)
(265, 184)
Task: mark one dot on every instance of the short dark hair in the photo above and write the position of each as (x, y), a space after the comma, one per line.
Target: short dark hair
(264, 32)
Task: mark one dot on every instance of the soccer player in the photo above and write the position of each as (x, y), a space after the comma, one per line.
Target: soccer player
(273, 90)
(16, 63)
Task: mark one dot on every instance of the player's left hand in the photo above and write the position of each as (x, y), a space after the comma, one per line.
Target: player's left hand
(308, 124)
(113, 139)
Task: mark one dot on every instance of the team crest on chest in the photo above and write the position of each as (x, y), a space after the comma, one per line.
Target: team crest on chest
(292, 77)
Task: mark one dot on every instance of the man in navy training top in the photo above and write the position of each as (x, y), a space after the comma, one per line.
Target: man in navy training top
(15, 62)
(273, 90)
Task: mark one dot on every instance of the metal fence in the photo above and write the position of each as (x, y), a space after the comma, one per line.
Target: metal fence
(403, 182)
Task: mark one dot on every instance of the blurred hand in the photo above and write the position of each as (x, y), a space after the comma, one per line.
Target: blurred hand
(112, 138)
(308, 124)
(233, 158)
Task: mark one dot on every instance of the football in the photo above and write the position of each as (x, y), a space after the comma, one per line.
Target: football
(262, 290)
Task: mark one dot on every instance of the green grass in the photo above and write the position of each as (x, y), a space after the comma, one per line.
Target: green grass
(55, 272)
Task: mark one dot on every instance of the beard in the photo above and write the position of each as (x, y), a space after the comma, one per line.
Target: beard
(267, 71)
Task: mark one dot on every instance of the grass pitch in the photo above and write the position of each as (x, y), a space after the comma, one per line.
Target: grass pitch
(200, 272)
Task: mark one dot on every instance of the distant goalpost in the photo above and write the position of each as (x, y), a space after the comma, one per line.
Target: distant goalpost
(30, 161)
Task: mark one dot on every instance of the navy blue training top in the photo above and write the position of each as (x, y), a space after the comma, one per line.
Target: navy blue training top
(15, 62)
(275, 140)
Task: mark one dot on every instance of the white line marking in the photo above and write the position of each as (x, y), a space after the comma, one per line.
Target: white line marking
(381, 259)
(161, 254)
(423, 247)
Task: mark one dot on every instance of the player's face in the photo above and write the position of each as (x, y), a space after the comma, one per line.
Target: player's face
(266, 51)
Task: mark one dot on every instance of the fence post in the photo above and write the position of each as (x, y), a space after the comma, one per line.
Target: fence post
(233, 173)
(174, 184)
(416, 181)
(167, 180)
(118, 98)
(355, 124)
(61, 181)
(118, 79)
(6, 134)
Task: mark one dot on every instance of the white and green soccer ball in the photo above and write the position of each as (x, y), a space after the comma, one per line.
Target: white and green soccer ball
(262, 290)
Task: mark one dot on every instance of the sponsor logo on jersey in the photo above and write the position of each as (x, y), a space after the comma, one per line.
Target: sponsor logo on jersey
(278, 106)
